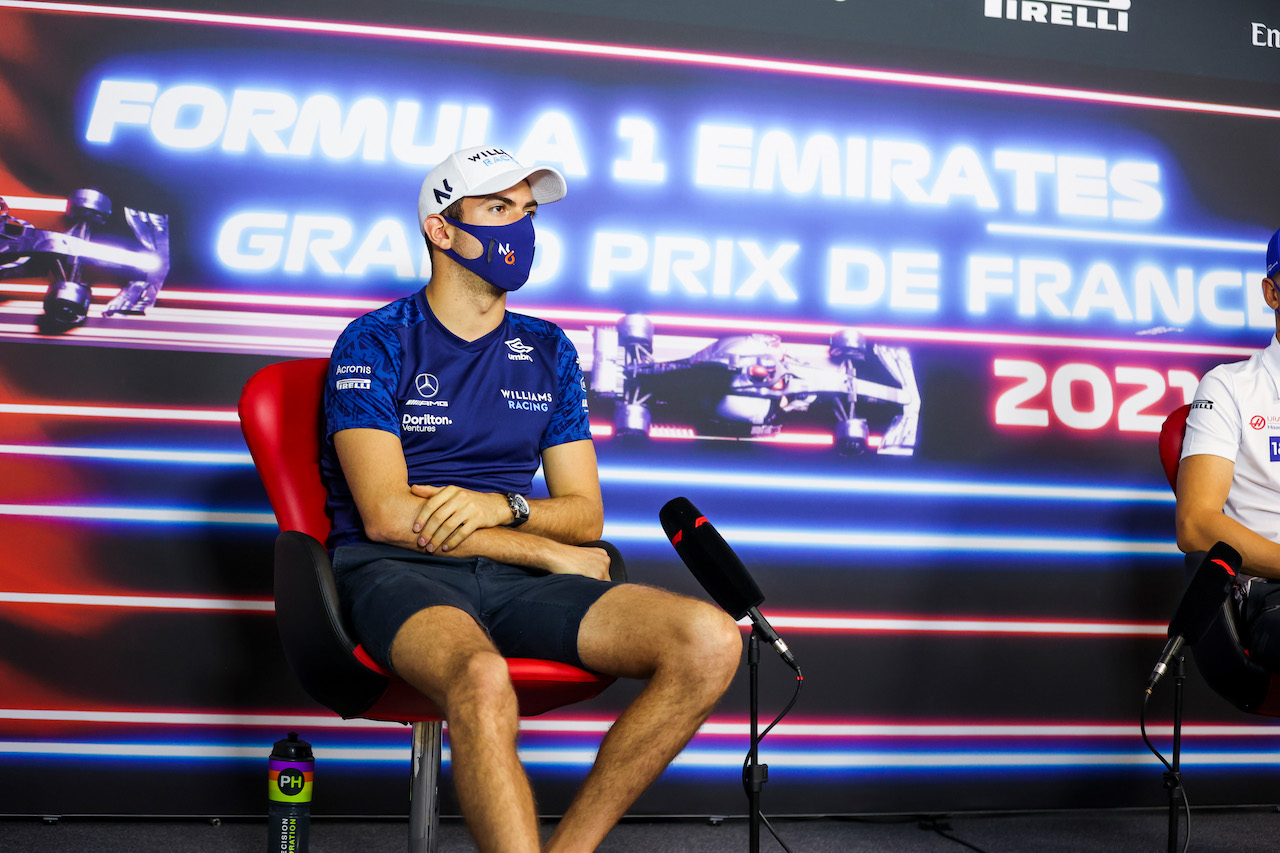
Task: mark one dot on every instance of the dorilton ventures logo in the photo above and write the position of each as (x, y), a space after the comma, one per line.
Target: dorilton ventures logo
(1087, 14)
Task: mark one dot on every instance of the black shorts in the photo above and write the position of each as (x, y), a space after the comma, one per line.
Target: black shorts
(528, 613)
(1262, 623)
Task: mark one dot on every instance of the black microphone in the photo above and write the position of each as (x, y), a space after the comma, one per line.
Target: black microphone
(718, 569)
(1201, 602)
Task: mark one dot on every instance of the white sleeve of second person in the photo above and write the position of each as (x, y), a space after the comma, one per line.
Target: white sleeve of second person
(1213, 425)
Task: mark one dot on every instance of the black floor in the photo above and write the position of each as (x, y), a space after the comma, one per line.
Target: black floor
(1213, 831)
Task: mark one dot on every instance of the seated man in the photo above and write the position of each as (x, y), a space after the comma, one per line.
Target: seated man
(1229, 478)
(440, 407)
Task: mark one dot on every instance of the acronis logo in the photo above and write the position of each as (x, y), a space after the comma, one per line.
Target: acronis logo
(1086, 14)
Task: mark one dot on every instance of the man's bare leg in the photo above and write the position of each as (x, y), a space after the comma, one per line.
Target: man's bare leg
(689, 651)
(443, 653)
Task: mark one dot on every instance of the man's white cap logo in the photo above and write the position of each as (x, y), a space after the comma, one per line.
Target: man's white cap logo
(480, 171)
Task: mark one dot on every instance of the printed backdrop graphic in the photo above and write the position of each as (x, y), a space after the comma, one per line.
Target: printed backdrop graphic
(906, 338)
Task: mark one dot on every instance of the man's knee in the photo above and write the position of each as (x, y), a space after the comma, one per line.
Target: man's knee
(480, 683)
(710, 644)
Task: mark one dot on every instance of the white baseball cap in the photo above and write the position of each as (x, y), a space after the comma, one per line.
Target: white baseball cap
(482, 170)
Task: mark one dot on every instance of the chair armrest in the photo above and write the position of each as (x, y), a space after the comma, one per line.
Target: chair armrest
(617, 567)
(1224, 663)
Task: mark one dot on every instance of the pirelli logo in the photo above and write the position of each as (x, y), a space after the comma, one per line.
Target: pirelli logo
(1202, 404)
(1110, 15)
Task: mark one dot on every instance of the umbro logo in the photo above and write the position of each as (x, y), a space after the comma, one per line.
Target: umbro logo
(519, 350)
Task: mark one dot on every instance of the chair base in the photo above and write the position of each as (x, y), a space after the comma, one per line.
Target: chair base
(424, 788)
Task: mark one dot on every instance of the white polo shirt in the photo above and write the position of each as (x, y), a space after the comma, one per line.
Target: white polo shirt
(1236, 415)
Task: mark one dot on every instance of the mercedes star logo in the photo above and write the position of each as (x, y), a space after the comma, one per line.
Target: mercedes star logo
(427, 385)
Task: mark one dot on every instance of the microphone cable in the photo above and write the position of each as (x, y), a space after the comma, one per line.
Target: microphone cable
(746, 762)
(1182, 788)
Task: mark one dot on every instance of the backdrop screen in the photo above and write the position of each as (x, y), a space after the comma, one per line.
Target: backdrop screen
(906, 336)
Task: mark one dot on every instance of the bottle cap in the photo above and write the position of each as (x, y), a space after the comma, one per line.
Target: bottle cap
(292, 749)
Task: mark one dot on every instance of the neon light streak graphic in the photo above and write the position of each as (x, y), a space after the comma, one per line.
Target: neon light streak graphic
(693, 758)
(658, 476)
(138, 514)
(1177, 241)
(813, 539)
(807, 539)
(50, 205)
(812, 624)
(716, 727)
(148, 602)
(876, 625)
(569, 316)
(618, 51)
(250, 343)
(883, 486)
(354, 306)
(206, 415)
(120, 454)
(791, 538)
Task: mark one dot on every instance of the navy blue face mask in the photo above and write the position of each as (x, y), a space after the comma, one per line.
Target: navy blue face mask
(508, 252)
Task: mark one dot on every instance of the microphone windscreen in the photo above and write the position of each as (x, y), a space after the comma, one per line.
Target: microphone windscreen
(710, 558)
(1208, 591)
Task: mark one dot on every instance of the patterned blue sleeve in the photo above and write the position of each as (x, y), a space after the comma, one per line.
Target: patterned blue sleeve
(569, 421)
(363, 372)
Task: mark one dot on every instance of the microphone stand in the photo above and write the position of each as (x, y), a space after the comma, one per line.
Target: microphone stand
(755, 774)
(1173, 776)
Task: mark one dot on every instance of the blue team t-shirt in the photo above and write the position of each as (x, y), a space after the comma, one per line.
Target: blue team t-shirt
(475, 414)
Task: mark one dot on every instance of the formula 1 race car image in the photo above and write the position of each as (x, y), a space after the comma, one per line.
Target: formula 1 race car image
(27, 251)
(746, 386)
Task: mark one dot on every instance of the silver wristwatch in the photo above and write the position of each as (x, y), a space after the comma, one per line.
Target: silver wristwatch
(519, 509)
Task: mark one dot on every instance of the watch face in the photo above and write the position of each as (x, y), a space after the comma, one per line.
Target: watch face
(519, 508)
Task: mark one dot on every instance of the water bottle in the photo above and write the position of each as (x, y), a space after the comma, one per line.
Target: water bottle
(289, 776)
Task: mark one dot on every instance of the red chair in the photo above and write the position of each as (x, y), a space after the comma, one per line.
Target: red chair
(1220, 655)
(281, 414)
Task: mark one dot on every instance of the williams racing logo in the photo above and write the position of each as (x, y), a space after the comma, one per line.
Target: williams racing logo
(527, 401)
(519, 350)
(1110, 15)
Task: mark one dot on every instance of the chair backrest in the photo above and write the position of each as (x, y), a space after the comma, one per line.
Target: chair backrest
(1220, 654)
(281, 412)
(1171, 434)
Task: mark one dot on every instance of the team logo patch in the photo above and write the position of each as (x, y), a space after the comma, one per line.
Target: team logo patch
(427, 422)
(426, 385)
(519, 350)
(1257, 421)
(1087, 14)
(529, 401)
(444, 192)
